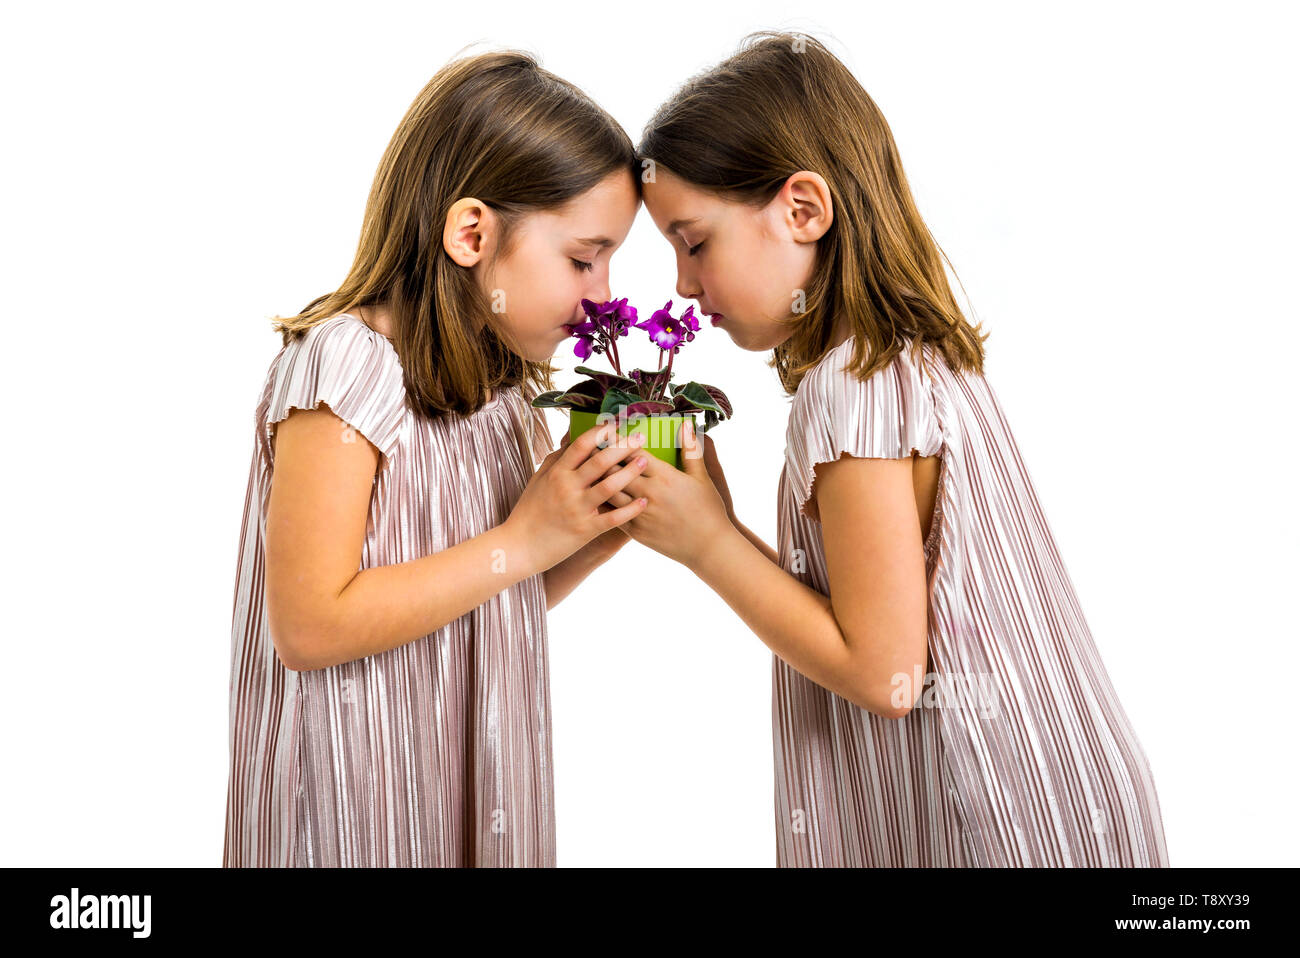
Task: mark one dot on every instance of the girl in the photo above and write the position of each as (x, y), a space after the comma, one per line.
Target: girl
(911, 538)
(389, 692)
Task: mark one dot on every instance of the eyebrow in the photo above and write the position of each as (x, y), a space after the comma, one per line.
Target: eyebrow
(675, 225)
(597, 241)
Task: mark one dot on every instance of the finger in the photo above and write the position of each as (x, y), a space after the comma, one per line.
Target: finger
(605, 507)
(620, 449)
(602, 490)
(711, 462)
(692, 452)
(619, 498)
(653, 467)
(623, 514)
(577, 451)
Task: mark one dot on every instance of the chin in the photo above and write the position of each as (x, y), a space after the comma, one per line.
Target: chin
(744, 341)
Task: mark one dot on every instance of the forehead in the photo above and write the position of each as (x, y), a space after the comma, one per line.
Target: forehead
(670, 199)
(607, 209)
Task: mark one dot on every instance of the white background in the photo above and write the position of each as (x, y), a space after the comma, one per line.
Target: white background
(1114, 184)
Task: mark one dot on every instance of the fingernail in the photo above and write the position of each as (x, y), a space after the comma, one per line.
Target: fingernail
(640, 461)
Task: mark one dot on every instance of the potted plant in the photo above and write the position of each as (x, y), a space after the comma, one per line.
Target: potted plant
(641, 400)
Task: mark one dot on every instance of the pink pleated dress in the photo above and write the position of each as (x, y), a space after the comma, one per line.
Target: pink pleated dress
(1024, 756)
(437, 752)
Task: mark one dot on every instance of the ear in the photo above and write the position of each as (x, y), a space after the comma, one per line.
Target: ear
(806, 206)
(470, 230)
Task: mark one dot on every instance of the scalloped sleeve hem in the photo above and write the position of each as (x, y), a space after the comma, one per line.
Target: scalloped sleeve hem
(350, 368)
(891, 415)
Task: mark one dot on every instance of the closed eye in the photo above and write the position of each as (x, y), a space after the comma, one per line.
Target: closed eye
(690, 250)
(582, 265)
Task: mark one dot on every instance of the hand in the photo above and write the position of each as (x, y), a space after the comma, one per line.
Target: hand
(686, 515)
(608, 543)
(559, 510)
(714, 469)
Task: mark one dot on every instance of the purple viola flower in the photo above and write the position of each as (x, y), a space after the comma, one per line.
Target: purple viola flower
(595, 311)
(690, 322)
(625, 316)
(586, 334)
(613, 317)
(638, 391)
(665, 331)
(605, 323)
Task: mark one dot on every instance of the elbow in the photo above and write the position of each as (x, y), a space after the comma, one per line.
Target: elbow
(304, 619)
(895, 712)
(891, 696)
(287, 650)
(297, 642)
(887, 702)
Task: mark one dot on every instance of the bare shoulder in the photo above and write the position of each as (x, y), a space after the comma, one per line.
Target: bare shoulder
(321, 431)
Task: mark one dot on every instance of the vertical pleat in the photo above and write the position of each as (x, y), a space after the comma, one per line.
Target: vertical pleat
(437, 752)
(1051, 775)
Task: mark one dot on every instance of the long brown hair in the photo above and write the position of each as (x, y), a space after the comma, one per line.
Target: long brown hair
(783, 103)
(498, 127)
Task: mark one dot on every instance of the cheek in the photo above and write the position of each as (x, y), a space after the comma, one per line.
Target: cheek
(776, 277)
(737, 278)
(540, 295)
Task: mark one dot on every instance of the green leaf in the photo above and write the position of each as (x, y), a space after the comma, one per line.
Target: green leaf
(551, 399)
(617, 398)
(607, 380)
(700, 397)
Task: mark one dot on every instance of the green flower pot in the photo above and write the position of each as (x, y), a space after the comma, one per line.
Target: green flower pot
(662, 432)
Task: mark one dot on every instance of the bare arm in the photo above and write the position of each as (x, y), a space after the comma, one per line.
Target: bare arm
(563, 577)
(713, 467)
(874, 625)
(323, 611)
(793, 620)
(754, 538)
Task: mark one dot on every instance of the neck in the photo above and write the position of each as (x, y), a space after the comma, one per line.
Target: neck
(840, 333)
(377, 318)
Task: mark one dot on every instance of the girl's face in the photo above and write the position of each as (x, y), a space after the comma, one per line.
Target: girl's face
(746, 266)
(558, 258)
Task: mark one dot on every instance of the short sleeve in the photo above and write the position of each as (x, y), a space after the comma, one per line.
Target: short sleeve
(349, 367)
(890, 415)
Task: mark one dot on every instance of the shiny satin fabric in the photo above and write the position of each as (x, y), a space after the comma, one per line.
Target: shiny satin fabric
(435, 753)
(1025, 757)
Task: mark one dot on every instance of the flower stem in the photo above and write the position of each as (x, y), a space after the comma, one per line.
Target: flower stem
(663, 387)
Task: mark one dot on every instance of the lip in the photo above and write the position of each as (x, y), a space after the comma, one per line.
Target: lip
(716, 318)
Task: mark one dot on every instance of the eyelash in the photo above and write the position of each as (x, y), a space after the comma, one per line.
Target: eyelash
(584, 266)
(690, 250)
